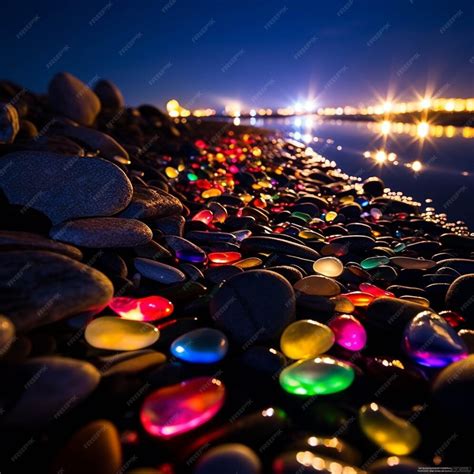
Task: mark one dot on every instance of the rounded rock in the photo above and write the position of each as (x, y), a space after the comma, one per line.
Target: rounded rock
(231, 457)
(253, 306)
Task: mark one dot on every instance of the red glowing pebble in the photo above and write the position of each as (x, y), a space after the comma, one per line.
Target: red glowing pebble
(452, 318)
(177, 409)
(374, 290)
(359, 298)
(200, 143)
(150, 308)
(224, 257)
(204, 216)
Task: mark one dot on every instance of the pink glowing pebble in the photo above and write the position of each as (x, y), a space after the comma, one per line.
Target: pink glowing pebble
(374, 290)
(349, 332)
(224, 257)
(177, 409)
(205, 216)
(150, 308)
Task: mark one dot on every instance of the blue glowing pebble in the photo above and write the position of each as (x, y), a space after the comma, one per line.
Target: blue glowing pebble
(201, 346)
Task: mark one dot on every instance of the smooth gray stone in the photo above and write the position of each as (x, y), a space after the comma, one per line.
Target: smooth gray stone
(14, 240)
(64, 187)
(276, 245)
(103, 232)
(52, 387)
(151, 202)
(158, 271)
(253, 306)
(109, 95)
(105, 144)
(39, 287)
(71, 97)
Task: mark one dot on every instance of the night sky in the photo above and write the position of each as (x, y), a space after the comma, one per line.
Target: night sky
(263, 53)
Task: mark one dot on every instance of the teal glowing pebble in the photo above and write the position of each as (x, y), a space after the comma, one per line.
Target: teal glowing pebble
(320, 376)
(301, 215)
(374, 262)
(399, 247)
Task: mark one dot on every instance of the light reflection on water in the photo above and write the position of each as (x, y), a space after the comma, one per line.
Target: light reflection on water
(426, 161)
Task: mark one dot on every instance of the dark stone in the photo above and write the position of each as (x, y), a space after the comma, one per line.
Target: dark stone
(253, 245)
(38, 287)
(253, 306)
(64, 187)
(10, 240)
(71, 97)
(151, 202)
(103, 232)
(460, 296)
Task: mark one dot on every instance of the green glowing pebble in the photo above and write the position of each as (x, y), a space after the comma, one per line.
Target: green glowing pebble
(374, 262)
(319, 376)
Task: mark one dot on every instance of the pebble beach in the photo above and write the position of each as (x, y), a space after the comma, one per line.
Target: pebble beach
(190, 296)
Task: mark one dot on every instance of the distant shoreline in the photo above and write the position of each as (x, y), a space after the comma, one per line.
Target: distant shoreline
(456, 119)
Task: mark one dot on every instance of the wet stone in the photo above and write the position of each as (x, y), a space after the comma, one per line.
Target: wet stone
(61, 187)
(103, 232)
(253, 306)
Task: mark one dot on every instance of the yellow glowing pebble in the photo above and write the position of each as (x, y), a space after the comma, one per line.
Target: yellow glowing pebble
(393, 434)
(416, 299)
(210, 193)
(171, 172)
(256, 152)
(343, 305)
(330, 216)
(311, 235)
(328, 266)
(117, 334)
(317, 285)
(306, 338)
(251, 262)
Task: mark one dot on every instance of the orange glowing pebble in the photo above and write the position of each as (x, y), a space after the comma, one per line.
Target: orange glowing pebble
(224, 257)
(359, 299)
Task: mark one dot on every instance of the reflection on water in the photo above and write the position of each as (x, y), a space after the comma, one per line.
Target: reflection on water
(432, 163)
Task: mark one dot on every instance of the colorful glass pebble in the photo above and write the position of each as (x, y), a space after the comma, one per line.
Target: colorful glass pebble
(319, 376)
(374, 262)
(453, 319)
(177, 409)
(317, 285)
(248, 263)
(306, 338)
(430, 341)
(211, 193)
(118, 334)
(374, 290)
(310, 235)
(330, 216)
(393, 434)
(201, 346)
(191, 255)
(328, 266)
(349, 332)
(376, 213)
(342, 304)
(301, 215)
(223, 258)
(400, 247)
(359, 299)
(150, 308)
(242, 234)
(171, 172)
(205, 216)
